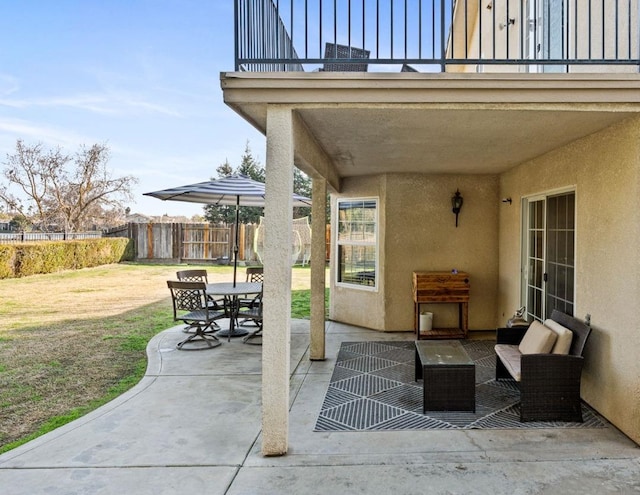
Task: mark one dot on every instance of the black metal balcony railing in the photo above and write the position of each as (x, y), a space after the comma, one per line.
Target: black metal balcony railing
(435, 35)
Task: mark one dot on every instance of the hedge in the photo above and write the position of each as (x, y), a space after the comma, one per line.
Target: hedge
(21, 260)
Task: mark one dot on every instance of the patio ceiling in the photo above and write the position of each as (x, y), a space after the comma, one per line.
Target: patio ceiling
(437, 123)
(372, 141)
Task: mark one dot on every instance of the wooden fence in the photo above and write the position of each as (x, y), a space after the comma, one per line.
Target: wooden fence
(178, 242)
(194, 242)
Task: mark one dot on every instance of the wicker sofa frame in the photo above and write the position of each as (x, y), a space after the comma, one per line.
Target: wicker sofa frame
(550, 383)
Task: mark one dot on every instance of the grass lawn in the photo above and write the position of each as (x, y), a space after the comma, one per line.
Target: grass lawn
(71, 341)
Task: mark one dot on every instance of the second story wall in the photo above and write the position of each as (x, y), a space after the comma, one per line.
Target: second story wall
(545, 30)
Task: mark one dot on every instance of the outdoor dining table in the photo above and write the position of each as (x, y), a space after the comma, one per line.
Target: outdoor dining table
(231, 294)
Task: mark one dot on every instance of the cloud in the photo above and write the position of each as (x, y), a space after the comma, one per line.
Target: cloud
(13, 129)
(8, 84)
(110, 103)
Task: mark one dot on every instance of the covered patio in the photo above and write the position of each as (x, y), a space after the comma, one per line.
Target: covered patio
(408, 141)
(193, 425)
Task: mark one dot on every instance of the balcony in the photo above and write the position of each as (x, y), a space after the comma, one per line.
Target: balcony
(437, 35)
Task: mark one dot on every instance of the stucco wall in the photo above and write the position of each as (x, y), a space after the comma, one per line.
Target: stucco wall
(364, 308)
(605, 170)
(418, 233)
(500, 41)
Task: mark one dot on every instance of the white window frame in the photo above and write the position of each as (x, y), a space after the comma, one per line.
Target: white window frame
(375, 244)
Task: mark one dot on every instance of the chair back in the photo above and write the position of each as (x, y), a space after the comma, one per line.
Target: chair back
(253, 310)
(333, 50)
(192, 276)
(580, 331)
(255, 274)
(408, 68)
(187, 296)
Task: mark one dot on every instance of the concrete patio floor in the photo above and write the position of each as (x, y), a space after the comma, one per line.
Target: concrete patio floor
(192, 426)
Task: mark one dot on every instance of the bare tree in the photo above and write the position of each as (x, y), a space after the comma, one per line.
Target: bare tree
(30, 169)
(63, 191)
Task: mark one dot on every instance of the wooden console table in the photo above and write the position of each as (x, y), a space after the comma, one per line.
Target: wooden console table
(442, 287)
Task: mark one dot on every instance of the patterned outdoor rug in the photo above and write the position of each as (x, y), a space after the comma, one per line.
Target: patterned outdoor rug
(373, 388)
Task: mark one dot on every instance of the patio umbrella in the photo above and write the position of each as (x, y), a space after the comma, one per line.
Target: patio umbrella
(237, 189)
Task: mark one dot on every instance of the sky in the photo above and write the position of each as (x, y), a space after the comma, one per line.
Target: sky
(141, 76)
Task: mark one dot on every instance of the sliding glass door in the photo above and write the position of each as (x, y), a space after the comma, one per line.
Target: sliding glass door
(549, 255)
(545, 38)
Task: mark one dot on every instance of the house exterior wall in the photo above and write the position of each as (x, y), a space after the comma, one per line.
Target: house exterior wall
(604, 168)
(497, 39)
(361, 307)
(418, 234)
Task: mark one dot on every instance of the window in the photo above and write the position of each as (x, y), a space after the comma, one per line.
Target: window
(357, 242)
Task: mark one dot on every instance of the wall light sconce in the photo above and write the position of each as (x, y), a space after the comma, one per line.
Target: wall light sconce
(456, 204)
(506, 200)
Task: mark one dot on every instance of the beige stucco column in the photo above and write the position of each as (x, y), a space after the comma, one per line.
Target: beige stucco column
(318, 257)
(277, 281)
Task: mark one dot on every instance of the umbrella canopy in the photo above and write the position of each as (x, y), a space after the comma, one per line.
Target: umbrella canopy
(233, 190)
(237, 189)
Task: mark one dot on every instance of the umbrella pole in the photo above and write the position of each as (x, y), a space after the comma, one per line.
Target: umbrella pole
(235, 247)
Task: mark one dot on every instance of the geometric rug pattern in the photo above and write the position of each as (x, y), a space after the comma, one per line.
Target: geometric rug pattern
(373, 388)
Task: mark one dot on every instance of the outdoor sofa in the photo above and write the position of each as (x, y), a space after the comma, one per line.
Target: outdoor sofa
(546, 360)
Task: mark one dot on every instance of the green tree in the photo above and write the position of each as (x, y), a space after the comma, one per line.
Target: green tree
(221, 214)
(20, 223)
(224, 170)
(253, 169)
(250, 167)
(302, 185)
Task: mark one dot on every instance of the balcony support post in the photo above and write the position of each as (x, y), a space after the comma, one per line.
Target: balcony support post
(276, 342)
(318, 272)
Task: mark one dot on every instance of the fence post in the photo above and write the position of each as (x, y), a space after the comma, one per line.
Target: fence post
(133, 234)
(176, 241)
(150, 241)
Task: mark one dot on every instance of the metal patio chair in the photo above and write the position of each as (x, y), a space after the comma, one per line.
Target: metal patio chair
(333, 50)
(190, 305)
(199, 275)
(254, 274)
(253, 312)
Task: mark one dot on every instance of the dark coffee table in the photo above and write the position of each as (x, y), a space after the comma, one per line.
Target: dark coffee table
(448, 375)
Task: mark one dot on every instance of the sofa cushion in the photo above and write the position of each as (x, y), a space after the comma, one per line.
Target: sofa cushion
(510, 357)
(563, 341)
(538, 339)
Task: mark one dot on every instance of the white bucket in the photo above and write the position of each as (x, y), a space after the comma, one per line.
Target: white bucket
(426, 321)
